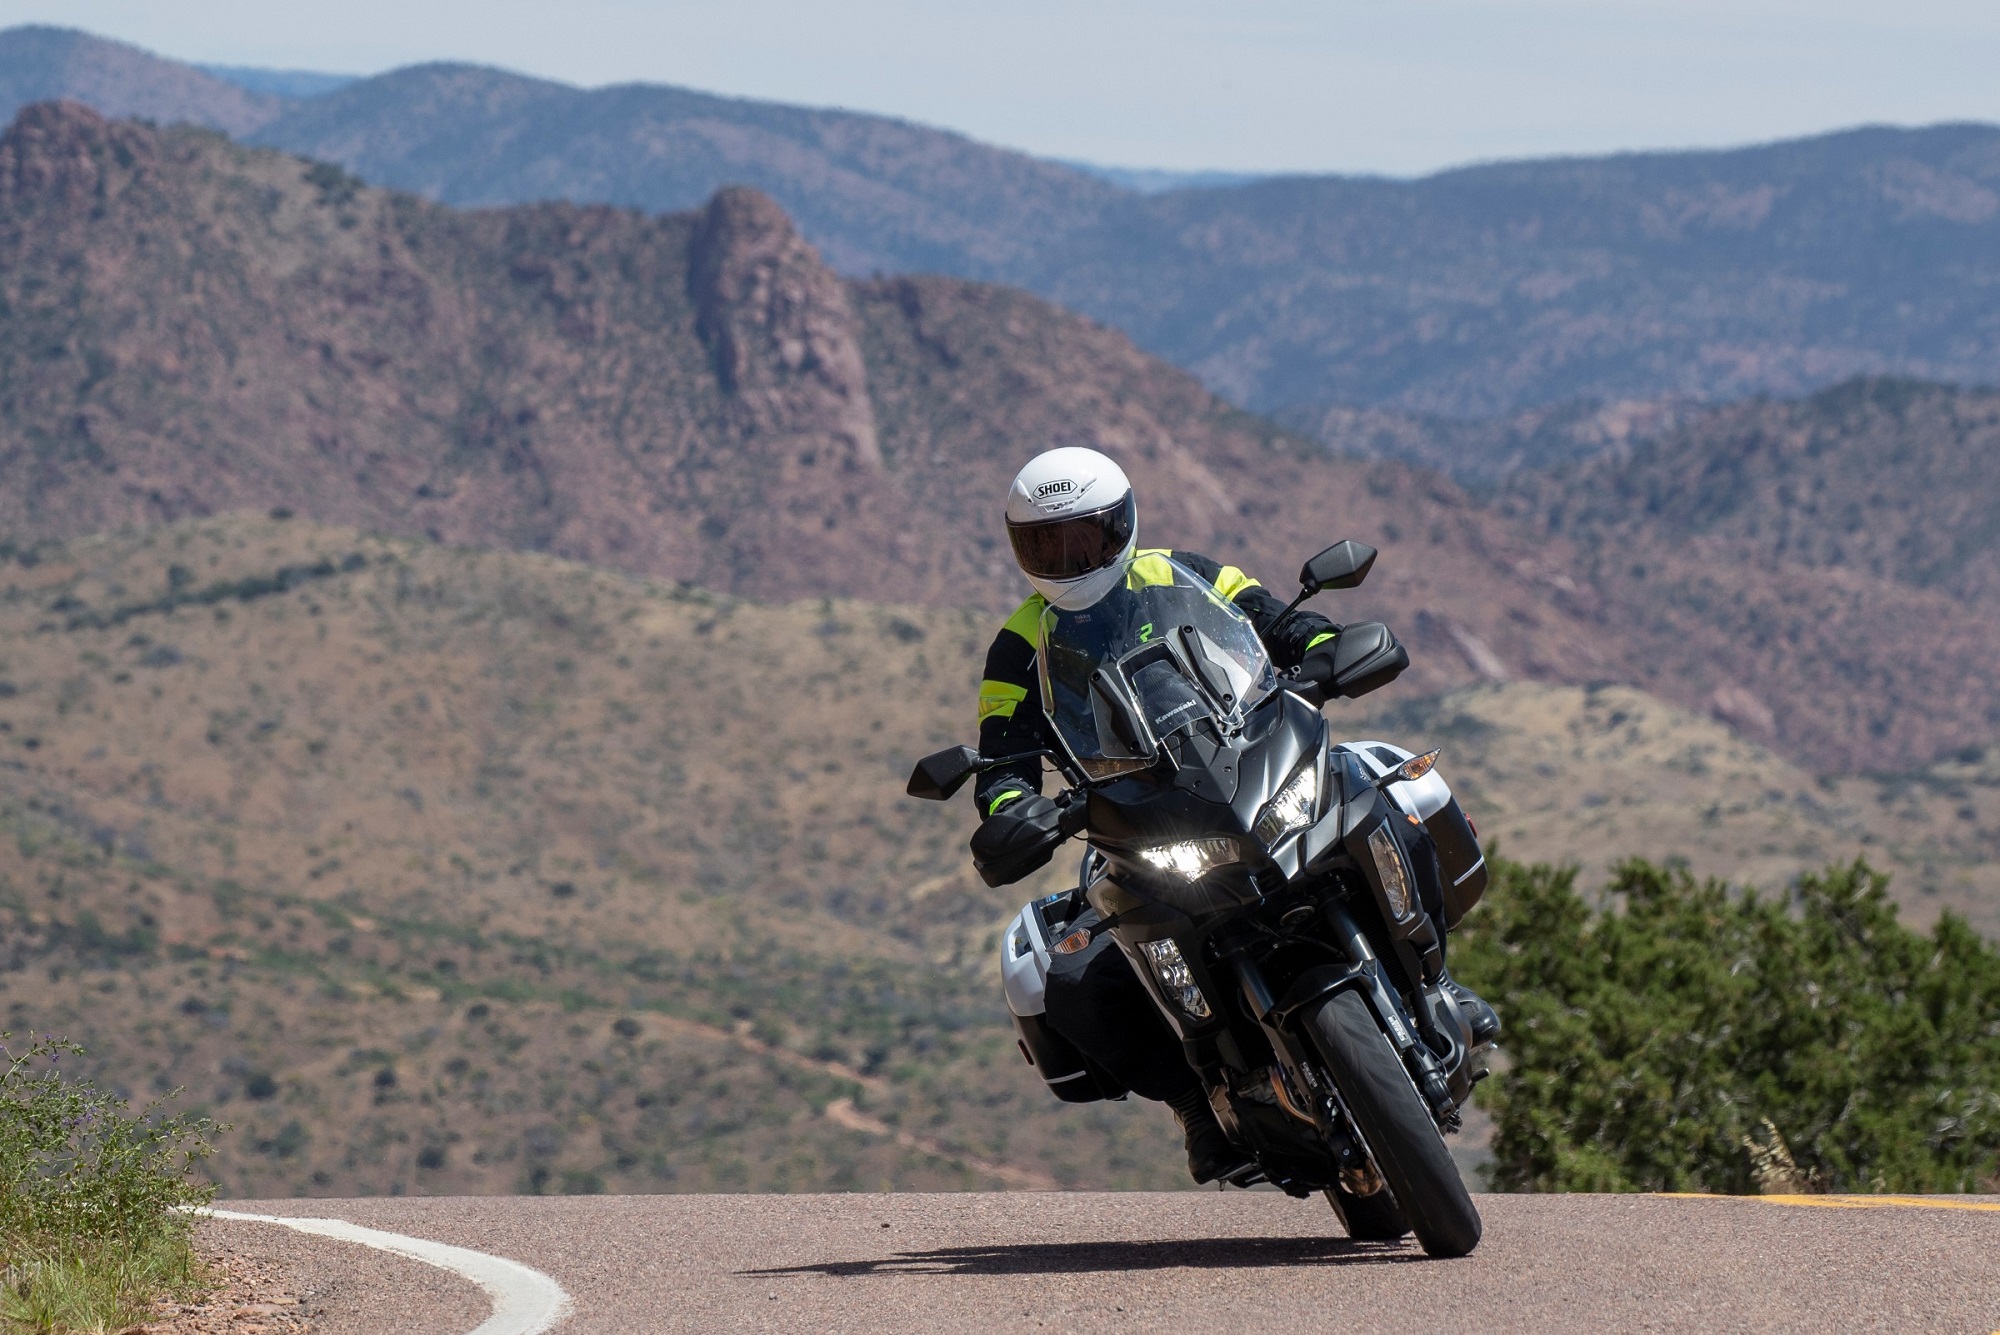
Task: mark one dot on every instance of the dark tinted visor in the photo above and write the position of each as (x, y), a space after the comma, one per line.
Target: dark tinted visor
(1073, 545)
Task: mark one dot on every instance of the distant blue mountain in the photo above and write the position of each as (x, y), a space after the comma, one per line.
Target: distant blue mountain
(1159, 180)
(280, 83)
(42, 64)
(874, 193)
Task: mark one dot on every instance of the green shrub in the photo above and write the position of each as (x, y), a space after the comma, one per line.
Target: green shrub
(1701, 1039)
(93, 1198)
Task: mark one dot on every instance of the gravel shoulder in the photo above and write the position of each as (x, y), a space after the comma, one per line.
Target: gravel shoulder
(277, 1282)
(1175, 1262)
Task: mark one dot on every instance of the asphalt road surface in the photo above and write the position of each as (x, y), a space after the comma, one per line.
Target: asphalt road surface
(1199, 1262)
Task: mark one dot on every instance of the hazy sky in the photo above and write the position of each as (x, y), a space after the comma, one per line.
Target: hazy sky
(1255, 85)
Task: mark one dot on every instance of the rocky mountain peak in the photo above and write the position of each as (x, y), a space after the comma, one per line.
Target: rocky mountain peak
(60, 150)
(780, 327)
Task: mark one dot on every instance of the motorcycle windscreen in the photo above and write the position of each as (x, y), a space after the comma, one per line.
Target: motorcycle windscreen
(1158, 651)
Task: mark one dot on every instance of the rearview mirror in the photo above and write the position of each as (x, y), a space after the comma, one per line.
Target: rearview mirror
(1341, 566)
(939, 775)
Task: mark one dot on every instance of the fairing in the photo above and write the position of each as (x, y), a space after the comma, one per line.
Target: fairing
(1158, 655)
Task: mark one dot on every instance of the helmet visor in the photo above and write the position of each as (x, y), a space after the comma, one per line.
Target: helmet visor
(1071, 546)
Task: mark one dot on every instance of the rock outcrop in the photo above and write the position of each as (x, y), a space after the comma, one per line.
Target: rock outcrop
(781, 329)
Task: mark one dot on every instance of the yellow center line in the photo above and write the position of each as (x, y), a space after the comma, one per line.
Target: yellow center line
(1846, 1202)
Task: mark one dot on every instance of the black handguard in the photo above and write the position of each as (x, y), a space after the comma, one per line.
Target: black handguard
(1017, 840)
(1361, 658)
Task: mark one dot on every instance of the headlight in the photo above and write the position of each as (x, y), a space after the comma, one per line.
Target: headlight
(1191, 859)
(1171, 968)
(1294, 807)
(1389, 866)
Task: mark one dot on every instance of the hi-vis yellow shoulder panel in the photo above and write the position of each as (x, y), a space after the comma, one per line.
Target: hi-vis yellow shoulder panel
(1150, 566)
(1232, 582)
(1027, 619)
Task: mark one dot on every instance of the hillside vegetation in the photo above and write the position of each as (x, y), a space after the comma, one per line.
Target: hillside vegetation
(1590, 776)
(1826, 572)
(443, 871)
(1486, 290)
(694, 396)
(1891, 479)
(43, 64)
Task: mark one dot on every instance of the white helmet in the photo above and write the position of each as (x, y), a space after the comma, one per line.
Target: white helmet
(1072, 521)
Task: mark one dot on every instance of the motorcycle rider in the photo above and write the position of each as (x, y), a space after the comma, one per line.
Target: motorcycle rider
(1072, 521)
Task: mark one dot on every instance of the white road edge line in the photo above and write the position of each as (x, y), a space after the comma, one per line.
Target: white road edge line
(525, 1301)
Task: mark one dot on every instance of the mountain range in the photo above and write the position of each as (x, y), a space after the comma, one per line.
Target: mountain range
(1481, 292)
(193, 326)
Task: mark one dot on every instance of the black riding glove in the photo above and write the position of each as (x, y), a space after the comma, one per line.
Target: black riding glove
(1316, 664)
(1017, 837)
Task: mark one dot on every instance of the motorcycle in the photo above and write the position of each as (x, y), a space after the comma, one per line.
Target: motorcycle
(1281, 897)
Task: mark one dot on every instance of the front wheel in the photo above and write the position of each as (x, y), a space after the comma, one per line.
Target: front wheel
(1396, 1125)
(1368, 1218)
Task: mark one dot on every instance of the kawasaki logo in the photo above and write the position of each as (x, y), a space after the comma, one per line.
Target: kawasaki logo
(1060, 487)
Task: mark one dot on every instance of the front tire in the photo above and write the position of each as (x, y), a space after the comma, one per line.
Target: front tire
(1396, 1125)
(1368, 1218)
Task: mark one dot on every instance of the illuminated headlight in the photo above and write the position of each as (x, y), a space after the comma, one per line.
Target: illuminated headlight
(1293, 808)
(1389, 866)
(1191, 859)
(1176, 979)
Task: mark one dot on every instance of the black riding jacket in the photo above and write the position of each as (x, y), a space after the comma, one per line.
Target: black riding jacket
(1010, 714)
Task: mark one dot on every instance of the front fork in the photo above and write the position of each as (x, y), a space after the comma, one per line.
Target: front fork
(1444, 1079)
(1445, 1082)
(1300, 1072)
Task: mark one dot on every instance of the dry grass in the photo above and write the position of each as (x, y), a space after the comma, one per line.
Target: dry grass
(1595, 775)
(473, 872)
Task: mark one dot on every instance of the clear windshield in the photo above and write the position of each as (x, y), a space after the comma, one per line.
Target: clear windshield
(1160, 653)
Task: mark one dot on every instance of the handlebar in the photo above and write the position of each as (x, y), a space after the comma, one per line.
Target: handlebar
(1309, 691)
(1072, 807)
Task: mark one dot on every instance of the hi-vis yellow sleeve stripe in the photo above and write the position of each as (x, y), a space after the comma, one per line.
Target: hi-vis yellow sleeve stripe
(997, 699)
(1232, 582)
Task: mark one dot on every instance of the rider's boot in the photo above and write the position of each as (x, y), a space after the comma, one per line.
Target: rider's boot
(1485, 1024)
(1210, 1153)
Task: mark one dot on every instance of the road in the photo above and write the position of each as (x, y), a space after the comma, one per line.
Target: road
(1194, 1262)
